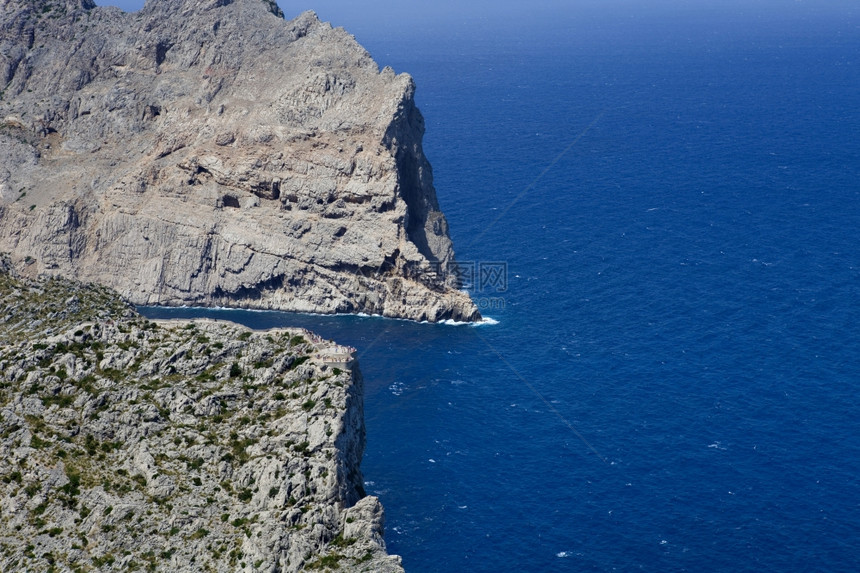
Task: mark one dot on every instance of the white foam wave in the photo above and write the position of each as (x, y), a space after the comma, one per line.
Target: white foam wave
(484, 321)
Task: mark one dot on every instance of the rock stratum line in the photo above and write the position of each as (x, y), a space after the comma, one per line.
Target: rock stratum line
(208, 152)
(191, 446)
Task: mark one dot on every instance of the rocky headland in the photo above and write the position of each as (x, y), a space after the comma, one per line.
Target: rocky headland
(127, 444)
(209, 152)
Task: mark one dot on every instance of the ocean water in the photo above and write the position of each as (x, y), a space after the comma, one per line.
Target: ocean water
(674, 206)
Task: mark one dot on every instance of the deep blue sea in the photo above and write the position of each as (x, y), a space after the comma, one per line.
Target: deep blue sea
(673, 381)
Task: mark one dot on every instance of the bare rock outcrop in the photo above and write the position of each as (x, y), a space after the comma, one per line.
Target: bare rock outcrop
(127, 444)
(209, 152)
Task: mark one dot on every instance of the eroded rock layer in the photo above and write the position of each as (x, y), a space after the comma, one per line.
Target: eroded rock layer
(171, 446)
(209, 152)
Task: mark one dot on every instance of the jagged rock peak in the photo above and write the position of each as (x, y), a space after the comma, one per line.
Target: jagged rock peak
(46, 6)
(204, 152)
(192, 5)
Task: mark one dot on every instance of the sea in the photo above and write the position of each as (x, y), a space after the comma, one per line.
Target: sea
(659, 209)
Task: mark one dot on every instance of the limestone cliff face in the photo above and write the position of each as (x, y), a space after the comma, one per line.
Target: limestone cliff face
(172, 446)
(208, 152)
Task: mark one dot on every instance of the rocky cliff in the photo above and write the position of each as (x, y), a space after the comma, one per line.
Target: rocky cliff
(209, 152)
(193, 446)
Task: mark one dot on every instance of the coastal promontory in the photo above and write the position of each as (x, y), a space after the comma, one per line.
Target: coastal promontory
(133, 445)
(210, 152)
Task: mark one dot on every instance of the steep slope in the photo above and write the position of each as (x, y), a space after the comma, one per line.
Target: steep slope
(208, 152)
(175, 446)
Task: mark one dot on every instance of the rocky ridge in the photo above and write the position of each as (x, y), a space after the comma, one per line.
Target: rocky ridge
(208, 152)
(174, 446)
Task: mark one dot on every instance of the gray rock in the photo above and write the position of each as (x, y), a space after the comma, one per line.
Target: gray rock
(208, 152)
(175, 445)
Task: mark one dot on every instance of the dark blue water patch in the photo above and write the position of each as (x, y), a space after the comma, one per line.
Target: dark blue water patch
(683, 290)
